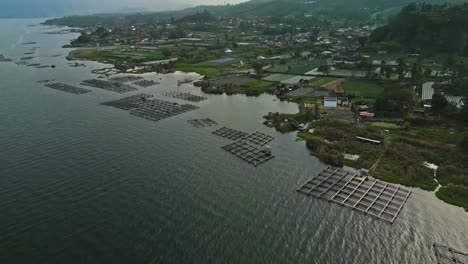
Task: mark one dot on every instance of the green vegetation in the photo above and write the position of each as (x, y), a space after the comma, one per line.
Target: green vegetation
(210, 72)
(362, 88)
(434, 29)
(385, 125)
(454, 194)
(285, 123)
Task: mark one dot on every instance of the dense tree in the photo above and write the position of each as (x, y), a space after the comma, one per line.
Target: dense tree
(464, 145)
(394, 102)
(428, 28)
(439, 103)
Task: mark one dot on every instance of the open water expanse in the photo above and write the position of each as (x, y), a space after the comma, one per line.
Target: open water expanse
(86, 183)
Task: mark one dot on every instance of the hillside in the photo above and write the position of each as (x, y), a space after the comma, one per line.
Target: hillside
(354, 10)
(434, 29)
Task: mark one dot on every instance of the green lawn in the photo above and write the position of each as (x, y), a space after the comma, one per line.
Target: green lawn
(385, 125)
(362, 88)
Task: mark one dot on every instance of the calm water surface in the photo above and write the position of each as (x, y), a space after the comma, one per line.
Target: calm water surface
(85, 183)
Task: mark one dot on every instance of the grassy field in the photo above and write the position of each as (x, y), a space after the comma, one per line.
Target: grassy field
(362, 88)
(385, 125)
(319, 81)
(209, 72)
(258, 84)
(278, 77)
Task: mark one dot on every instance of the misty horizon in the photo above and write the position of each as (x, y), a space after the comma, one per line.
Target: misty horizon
(50, 8)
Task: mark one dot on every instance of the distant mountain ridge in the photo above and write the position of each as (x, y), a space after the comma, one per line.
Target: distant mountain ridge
(359, 10)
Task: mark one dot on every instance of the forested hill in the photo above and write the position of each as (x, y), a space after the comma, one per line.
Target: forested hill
(428, 28)
(353, 10)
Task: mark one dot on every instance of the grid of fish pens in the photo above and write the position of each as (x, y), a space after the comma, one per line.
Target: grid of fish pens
(67, 88)
(206, 122)
(448, 255)
(145, 83)
(251, 154)
(156, 110)
(126, 79)
(145, 106)
(364, 194)
(230, 133)
(109, 85)
(186, 96)
(259, 138)
(130, 102)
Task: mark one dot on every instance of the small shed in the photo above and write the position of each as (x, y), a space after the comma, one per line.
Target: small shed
(330, 102)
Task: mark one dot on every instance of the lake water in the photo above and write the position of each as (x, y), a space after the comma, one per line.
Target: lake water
(85, 183)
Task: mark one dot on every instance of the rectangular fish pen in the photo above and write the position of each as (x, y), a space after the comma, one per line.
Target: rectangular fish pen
(448, 255)
(67, 88)
(251, 154)
(230, 133)
(370, 196)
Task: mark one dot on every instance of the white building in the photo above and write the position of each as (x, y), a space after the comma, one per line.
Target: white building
(330, 102)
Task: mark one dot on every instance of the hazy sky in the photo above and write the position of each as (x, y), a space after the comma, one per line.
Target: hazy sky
(34, 8)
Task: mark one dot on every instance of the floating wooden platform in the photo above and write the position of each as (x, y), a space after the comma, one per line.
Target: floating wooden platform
(230, 133)
(249, 153)
(207, 122)
(364, 194)
(109, 85)
(448, 255)
(185, 96)
(259, 138)
(126, 79)
(67, 88)
(147, 107)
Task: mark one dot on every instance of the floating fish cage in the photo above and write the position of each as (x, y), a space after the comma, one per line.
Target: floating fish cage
(259, 138)
(186, 96)
(67, 88)
(249, 153)
(109, 85)
(448, 255)
(145, 106)
(230, 133)
(130, 102)
(207, 122)
(145, 83)
(364, 194)
(126, 79)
